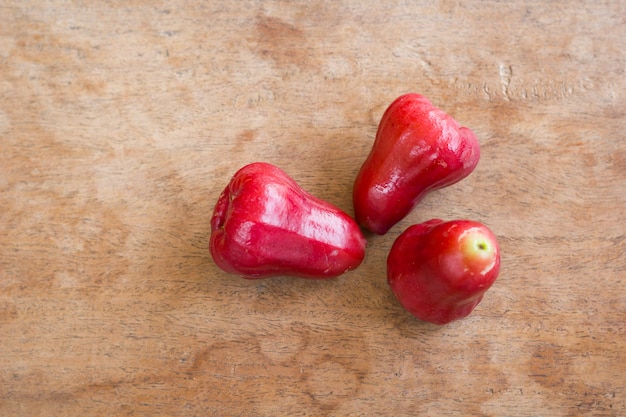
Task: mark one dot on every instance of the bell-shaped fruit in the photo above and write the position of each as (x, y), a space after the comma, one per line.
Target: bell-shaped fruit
(264, 225)
(439, 271)
(418, 149)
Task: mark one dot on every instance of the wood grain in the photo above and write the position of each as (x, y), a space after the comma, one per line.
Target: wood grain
(120, 123)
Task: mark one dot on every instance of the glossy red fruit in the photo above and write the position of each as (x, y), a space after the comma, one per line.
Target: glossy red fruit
(264, 225)
(439, 271)
(418, 149)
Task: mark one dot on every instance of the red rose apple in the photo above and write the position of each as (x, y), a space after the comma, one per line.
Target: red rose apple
(418, 149)
(439, 271)
(264, 225)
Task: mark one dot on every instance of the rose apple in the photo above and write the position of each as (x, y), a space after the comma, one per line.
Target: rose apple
(264, 224)
(418, 149)
(439, 271)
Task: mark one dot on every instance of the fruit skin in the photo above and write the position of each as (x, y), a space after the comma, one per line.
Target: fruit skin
(264, 224)
(418, 149)
(439, 271)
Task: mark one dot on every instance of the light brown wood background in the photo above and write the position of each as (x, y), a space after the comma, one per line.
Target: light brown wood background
(121, 121)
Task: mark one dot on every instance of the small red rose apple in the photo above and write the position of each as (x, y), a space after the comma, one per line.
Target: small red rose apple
(264, 225)
(439, 271)
(418, 149)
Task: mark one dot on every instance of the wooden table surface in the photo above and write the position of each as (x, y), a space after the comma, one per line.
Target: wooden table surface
(121, 122)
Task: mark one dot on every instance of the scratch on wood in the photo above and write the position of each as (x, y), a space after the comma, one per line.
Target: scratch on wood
(506, 73)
